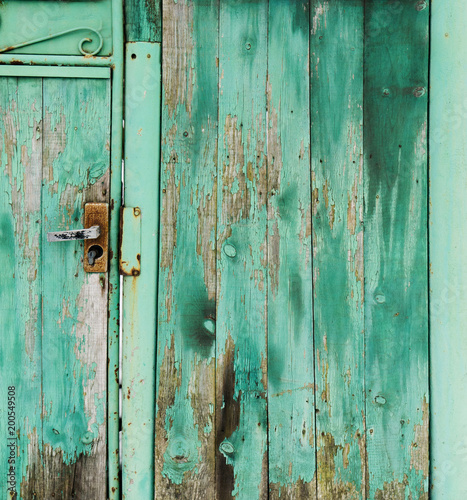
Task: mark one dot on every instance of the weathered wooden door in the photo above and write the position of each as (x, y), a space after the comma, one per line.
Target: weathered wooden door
(275, 341)
(57, 152)
(55, 142)
(292, 346)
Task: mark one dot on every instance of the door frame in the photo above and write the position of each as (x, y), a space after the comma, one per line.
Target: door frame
(85, 66)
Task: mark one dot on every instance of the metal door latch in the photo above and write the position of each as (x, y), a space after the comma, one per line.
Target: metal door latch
(75, 234)
(95, 235)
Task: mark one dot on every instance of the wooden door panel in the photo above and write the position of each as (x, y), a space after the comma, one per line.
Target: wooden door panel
(337, 222)
(321, 320)
(60, 154)
(20, 281)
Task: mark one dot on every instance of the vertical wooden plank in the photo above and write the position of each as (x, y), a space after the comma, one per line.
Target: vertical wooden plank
(448, 243)
(337, 222)
(290, 317)
(76, 116)
(20, 285)
(185, 385)
(395, 178)
(115, 201)
(241, 407)
(139, 303)
(143, 21)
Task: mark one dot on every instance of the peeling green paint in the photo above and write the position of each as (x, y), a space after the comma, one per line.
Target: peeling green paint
(48, 162)
(290, 317)
(187, 283)
(337, 224)
(395, 247)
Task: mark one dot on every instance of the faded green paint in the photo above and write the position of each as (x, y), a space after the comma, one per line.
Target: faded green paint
(286, 397)
(448, 244)
(143, 21)
(241, 411)
(184, 453)
(113, 324)
(290, 315)
(130, 248)
(54, 72)
(20, 280)
(142, 159)
(337, 223)
(395, 242)
(52, 333)
(25, 21)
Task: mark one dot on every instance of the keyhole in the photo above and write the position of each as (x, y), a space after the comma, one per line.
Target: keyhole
(94, 253)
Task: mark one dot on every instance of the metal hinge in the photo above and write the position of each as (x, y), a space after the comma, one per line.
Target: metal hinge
(130, 241)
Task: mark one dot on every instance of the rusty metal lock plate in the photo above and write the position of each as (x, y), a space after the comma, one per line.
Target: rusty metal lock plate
(97, 214)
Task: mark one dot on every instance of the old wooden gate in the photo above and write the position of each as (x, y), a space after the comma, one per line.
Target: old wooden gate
(271, 337)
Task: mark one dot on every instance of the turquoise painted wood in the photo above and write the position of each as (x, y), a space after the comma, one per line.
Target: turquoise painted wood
(318, 218)
(448, 266)
(291, 440)
(185, 383)
(395, 248)
(54, 316)
(56, 125)
(242, 252)
(143, 21)
(275, 333)
(59, 28)
(141, 176)
(338, 254)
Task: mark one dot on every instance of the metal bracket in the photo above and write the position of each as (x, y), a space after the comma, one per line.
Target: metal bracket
(130, 241)
(97, 214)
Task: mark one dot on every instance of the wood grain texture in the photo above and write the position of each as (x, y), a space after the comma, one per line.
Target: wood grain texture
(56, 352)
(20, 281)
(143, 20)
(337, 221)
(395, 242)
(139, 300)
(290, 315)
(185, 385)
(76, 124)
(448, 244)
(241, 411)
